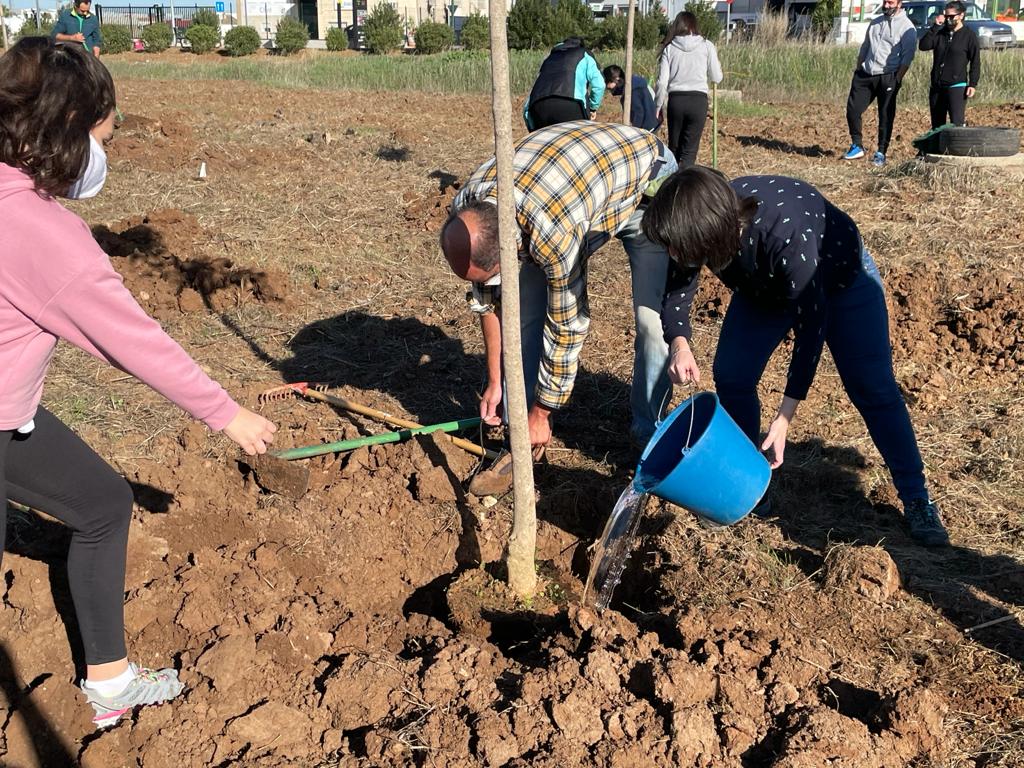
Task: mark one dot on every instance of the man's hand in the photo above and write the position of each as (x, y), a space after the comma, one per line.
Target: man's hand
(252, 432)
(78, 37)
(490, 404)
(539, 420)
(96, 51)
(970, 92)
(681, 365)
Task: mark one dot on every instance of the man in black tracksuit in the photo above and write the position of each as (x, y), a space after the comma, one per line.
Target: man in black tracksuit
(569, 87)
(955, 48)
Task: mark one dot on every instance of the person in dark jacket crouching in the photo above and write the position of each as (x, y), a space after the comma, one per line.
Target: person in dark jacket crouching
(956, 65)
(642, 112)
(795, 263)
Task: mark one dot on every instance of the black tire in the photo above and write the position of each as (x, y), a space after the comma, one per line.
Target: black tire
(980, 142)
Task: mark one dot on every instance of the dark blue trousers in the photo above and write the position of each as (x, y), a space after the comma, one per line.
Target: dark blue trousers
(857, 335)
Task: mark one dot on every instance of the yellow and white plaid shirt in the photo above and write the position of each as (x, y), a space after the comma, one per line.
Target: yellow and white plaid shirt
(576, 185)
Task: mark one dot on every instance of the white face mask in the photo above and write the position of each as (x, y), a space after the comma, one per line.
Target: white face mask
(494, 279)
(91, 182)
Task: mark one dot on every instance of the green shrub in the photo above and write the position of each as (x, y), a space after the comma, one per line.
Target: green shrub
(611, 33)
(117, 38)
(384, 32)
(291, 36)
(571, 18)
(242, 41)
(157, 37)
(476, 33)
(337, 39)
(707, 20)
(202, 38)
(206, 18)
(823, 15)
(528, 24)
(433, 37)
(29, 28)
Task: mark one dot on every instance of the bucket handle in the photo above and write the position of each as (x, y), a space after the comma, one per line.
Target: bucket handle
(664, 402)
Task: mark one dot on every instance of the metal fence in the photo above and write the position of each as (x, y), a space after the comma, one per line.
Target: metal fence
(135, 17)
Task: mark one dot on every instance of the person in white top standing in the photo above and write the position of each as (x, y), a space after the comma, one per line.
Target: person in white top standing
(885, 56)
(686, 63)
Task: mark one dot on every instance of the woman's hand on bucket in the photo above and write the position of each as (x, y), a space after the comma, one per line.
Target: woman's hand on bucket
(682, 367)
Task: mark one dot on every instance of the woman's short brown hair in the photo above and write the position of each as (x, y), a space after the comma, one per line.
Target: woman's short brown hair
(698, 217)
(51, 95)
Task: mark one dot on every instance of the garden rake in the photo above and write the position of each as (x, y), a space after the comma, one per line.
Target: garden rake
(318, 392)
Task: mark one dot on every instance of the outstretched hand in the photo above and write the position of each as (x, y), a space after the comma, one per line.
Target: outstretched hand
(774, 444)
(252, 432)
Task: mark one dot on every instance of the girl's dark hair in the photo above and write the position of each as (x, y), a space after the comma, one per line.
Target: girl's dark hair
(51, 95)
(698, 217)
(685, 23)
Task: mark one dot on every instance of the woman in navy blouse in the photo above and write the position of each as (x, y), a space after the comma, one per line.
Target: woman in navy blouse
(794, 262)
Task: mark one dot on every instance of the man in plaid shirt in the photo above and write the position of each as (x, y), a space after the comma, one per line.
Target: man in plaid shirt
(577, 185)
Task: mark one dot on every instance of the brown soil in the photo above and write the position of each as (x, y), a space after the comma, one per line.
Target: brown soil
(161, 258)
(366, 624)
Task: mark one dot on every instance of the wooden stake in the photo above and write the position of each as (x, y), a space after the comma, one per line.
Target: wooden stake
(627, 93)
(522, 544)
(3, 24)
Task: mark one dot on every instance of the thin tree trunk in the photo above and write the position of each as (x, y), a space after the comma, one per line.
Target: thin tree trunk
(3, 26)
(522, 545)
(627, 93)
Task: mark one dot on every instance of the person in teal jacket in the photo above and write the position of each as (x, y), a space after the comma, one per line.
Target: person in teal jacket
(79, 24)
(569, 87)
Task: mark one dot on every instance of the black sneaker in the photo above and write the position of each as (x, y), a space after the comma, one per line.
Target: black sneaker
(925, 526)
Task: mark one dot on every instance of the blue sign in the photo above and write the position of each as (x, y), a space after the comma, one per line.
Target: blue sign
(219, 6)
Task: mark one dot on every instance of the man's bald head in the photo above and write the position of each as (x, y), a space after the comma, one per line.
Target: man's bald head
(469, 240)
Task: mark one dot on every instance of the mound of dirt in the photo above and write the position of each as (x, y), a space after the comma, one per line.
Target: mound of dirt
(430, 211)
(162, 260)
(157, 144)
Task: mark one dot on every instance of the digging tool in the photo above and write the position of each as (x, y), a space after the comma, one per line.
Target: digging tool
(280, 476)
(275, 471)
(388, 437)
(316, 392)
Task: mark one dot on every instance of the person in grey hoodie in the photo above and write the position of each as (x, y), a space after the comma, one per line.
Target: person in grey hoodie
(885, 56)
(686, 63)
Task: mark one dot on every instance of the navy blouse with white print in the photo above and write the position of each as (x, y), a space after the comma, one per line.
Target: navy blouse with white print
(797, 250)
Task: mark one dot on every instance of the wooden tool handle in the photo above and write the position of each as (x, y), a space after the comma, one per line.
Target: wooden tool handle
(387, 418)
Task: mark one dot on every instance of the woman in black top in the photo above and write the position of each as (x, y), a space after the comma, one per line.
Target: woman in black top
(955, 48)
(794, 262)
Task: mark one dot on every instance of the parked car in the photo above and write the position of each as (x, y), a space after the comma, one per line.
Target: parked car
(991, 34)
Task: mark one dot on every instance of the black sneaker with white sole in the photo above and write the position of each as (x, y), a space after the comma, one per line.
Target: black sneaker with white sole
(925, 525)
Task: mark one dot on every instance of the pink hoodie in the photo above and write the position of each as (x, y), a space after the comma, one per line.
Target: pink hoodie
(56, 282)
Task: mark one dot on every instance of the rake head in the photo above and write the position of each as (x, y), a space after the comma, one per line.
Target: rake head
(299, 388)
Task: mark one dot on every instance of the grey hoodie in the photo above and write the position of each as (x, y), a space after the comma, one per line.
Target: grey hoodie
(686, 64)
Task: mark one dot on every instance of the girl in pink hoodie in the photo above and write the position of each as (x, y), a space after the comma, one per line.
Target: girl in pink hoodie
(56, 110)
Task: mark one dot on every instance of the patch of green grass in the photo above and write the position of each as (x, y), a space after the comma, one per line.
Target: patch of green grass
(799, 71)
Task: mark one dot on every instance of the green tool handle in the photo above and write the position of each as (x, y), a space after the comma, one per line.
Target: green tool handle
(387, 437)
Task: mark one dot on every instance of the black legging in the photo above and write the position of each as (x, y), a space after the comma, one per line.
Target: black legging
(943, 100)
(555, 109)
(687, 113)
(52, 470)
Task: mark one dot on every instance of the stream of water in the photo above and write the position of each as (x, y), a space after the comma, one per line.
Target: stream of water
(613, 549)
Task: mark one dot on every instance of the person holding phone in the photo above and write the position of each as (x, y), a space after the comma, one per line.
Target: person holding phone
(956, 65)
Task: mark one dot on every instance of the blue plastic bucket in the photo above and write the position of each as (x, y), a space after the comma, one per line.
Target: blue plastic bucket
(700, 459)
